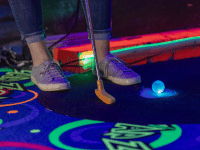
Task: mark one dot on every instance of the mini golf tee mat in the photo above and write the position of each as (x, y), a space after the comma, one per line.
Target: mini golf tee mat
(180, 76)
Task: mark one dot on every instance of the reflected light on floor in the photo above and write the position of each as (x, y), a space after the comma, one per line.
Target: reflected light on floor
(149, 93)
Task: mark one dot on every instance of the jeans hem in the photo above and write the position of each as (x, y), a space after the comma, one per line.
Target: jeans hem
(34, 37)
(100, 34)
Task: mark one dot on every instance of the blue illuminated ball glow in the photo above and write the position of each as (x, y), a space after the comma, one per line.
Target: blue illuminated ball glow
(157, 91)
(158, 86)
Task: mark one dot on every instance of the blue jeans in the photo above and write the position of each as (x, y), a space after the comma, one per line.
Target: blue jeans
(28, 16)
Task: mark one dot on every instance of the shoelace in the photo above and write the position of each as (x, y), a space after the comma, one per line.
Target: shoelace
(122, 64)
(55, 73)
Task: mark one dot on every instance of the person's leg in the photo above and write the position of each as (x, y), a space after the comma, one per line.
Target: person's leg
(28, 16)
(102, 49)
(39, 52)
(110, 67)
(46, 72)
(101, 20)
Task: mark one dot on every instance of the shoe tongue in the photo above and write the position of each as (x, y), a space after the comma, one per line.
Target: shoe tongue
(109, 56)
(46, 62)
(119, 66)
(102, 64)
(44, 65)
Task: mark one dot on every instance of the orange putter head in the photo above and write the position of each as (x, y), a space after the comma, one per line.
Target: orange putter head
(102, 94)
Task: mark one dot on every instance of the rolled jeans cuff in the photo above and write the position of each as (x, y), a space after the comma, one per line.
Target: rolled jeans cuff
(33, 37)
(100, 34)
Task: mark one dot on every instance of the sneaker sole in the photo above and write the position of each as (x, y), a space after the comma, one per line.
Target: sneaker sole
(51, 87)
(119, 81)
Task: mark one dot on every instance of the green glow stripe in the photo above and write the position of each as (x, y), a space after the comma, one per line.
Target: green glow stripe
(158, 44)
(175, 43)
(29, 84)
(3, 97)
(154, 44)
(35, 131)
(55, 134)
(10, 70)
(167, 137)
(6, 70)
(1, 121)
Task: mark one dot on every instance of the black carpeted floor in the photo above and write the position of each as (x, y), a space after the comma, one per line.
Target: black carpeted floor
(181, 76)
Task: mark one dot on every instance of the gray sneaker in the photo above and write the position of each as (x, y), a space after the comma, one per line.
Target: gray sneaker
(117, 71)
(49, 77)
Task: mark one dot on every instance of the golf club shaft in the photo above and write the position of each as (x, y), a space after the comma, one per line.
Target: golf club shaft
(92, 36)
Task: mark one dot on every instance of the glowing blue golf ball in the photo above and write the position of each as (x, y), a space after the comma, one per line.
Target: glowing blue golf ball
(158, 86)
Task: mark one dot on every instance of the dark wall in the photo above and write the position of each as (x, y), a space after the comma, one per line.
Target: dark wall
(151, 16)
(59, 16)
(129, 17)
